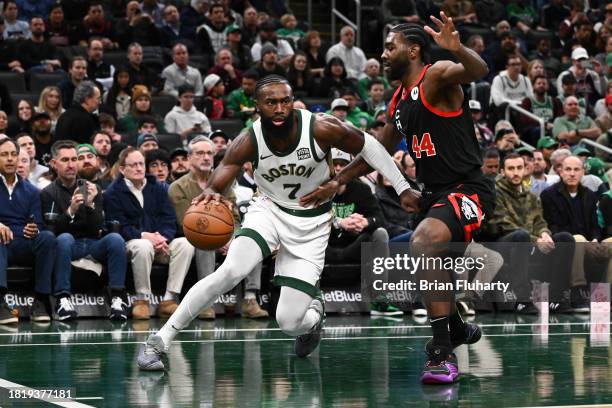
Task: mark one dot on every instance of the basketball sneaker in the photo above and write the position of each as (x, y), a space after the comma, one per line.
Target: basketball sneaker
(64, 309)
(307, 343)
(384, 309)
(7, 314)
(441, 366)
(118, 309)
(150, 355)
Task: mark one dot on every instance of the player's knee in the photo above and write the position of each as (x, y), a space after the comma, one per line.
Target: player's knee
(141, 247)
(580, 238)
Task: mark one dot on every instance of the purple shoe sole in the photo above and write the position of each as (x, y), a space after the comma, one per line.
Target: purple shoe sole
(448, 376)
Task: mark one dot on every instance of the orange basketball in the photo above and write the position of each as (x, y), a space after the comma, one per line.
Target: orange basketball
(208, 226)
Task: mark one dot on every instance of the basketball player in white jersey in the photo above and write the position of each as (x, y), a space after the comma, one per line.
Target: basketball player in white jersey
(289, 149)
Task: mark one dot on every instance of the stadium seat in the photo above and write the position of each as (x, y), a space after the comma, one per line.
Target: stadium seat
(38, 81)
(169, 141)
(115, 58)
(162, 104)
(16, 97)
(468, 30)
(14, 81)
(231, 127)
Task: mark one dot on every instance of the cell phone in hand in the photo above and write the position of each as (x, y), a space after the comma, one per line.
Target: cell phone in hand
(82, 185)
(31, 219)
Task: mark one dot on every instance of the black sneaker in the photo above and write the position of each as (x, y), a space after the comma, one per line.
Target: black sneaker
(6, 314)
(563, 307)
(64, 309)
(39, 312)
(580, 299)
(118, 309)
(472, 334)
(307, 343)
(525, 308)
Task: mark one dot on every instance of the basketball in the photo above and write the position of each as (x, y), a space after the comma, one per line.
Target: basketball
(208, 226)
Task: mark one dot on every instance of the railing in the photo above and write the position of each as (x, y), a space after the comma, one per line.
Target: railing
(519, 109)
(595, 145)
(335, 13)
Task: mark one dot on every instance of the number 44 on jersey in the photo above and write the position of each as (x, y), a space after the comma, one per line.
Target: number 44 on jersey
(424, 146)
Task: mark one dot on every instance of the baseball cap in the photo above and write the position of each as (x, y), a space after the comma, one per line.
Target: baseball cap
(146, 137)
(211, 81)
(232, 28)
(86, 148)
(579, 53)
(502, 132)
(218, 133)
(524, 150)
(179, 151)
(547, 142)
(582, 151)
(338, 154)
(596, 167)
(376, 124)
(40, 115)
(475, 105)
(339, 103)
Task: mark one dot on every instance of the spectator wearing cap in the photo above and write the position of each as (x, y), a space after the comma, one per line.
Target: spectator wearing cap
(78, 222)
(221, 140)
(571, 207)
(339, 109)
(88, 166)
(184, 118)
(486, 134)
(547, 145)
(582, 153)
(173, 31)
(180, 73)
(372, 73)
(79, 121)
(376, 127)
(543, 106)
(267, 35)
(43, 139)
(147, 142)
(214, 102)
(148, 224)
(226, 70)
(241, 101)
(268, 64)
(572, 126)
(569, 85)
(211, 35)
(179, 163)
(241, 53)
(589, 85)
(140, 112)
(353, 57)
(157, 163)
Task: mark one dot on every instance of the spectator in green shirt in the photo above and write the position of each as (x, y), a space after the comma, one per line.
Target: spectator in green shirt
(372, 71)
(241, 101)
(289, 30)
(573, 126)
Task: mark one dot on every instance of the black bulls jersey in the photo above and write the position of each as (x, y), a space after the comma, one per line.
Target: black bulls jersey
(443, 145)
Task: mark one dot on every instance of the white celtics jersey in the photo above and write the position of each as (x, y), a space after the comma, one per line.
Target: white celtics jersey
(285, 177)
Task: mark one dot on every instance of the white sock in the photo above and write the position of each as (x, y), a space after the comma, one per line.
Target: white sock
(142, 296)
(205, 291)
(169, 295)
(249, 294)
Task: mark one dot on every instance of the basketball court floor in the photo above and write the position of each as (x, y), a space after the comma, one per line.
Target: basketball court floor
(362, 362)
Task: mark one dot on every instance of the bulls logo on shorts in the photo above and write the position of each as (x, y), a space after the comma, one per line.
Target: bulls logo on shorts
(469, 208)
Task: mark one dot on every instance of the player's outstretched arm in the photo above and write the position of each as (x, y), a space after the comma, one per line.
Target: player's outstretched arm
(240, 151)
(331, 132)
(470, 67)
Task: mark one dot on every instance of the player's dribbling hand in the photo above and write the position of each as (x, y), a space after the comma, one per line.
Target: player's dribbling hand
(322, 194)
(410, 200)
(448, 37)
(209, 196)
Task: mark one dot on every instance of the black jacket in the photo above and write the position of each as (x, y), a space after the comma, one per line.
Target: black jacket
(560, 215)
(76, 124)
(87, 223)
(397, 220)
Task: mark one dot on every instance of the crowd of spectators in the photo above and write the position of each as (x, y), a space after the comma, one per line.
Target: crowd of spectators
(88, 173)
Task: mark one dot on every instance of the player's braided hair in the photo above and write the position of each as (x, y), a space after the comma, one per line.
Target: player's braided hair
(268, 80)
(414, 34)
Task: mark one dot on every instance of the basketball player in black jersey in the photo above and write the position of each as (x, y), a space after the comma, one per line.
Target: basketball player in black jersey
(430, 110)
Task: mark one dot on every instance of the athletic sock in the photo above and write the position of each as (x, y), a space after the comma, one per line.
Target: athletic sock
(169, 295)
(456, 323)
(441, 336)
(249, 294)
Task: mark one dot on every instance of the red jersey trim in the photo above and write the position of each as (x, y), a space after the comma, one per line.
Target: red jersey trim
(405, 92)
(436, 111)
